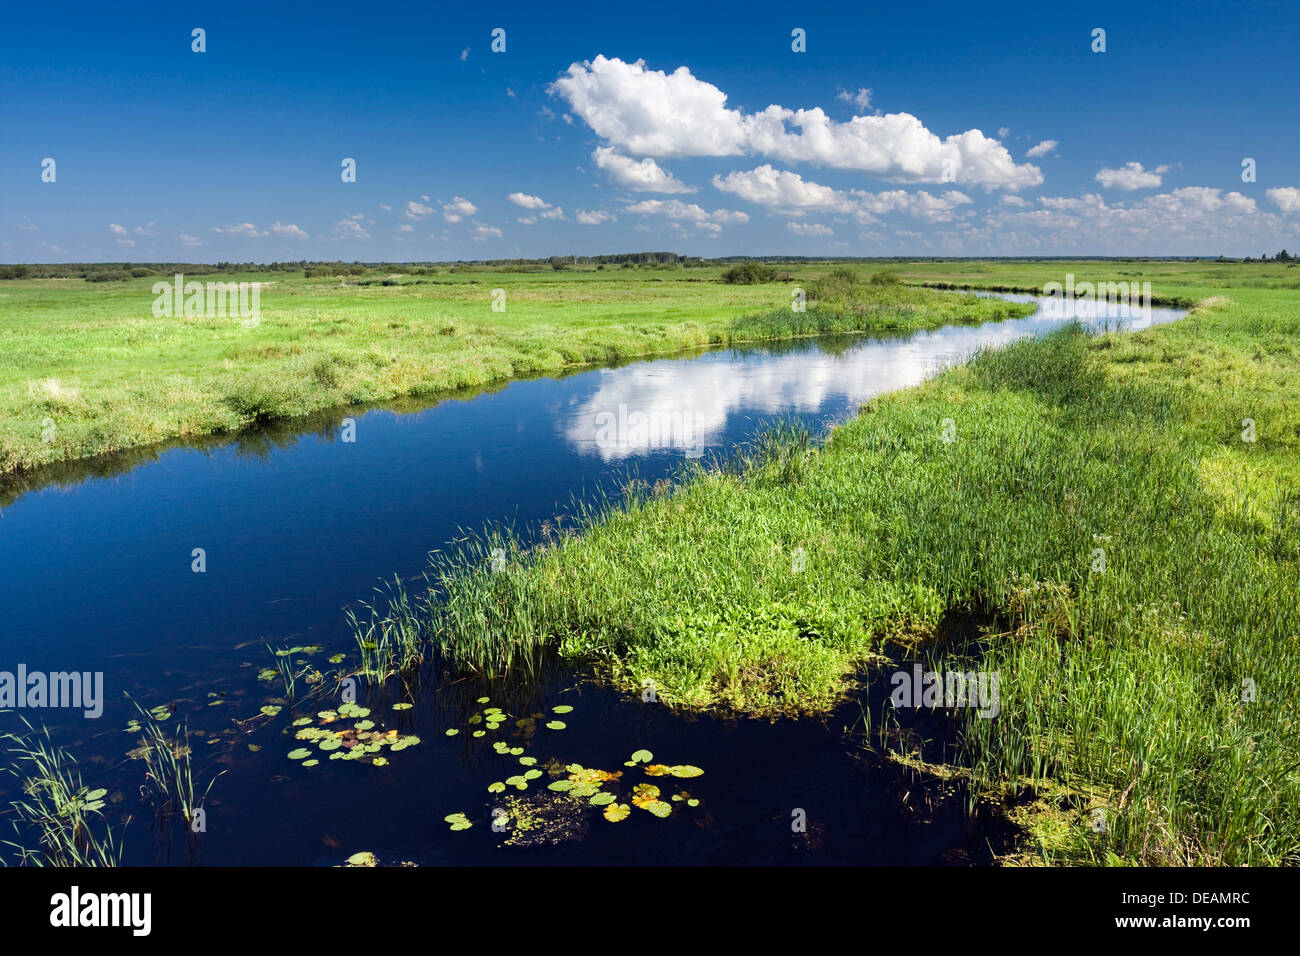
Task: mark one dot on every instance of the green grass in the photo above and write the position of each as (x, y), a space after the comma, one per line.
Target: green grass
(85, 368)
(1121, 689)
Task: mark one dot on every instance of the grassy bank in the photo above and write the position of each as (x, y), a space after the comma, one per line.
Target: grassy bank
(86, 368)
(762, 586)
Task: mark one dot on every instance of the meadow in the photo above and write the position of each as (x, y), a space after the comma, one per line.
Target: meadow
(87, 368)
(1110, 523)
(1114, 529)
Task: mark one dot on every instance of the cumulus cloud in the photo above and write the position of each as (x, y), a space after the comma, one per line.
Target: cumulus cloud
(483, 233)
(288, 230)
(416, 210)
(790, 194)
(528, 202)
(645, 175)
(1286, 198)
(116, 230)
(1186, 219)
(349, 229)
(861, 99)
(1131, 176)
(1042, 149)
(187, 240)
(246, 229)
(689, 212)
(458, 209)
(594, 217)
(653, 113)
(810, 229)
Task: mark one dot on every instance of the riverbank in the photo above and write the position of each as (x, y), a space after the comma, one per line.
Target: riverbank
(1118, 516)
(88, 368)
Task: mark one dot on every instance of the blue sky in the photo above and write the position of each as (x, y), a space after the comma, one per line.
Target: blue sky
(916, 129)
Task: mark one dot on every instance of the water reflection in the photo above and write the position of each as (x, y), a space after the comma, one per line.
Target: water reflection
(683, 406)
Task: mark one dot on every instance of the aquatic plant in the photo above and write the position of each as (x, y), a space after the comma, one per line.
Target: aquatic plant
(57, 807)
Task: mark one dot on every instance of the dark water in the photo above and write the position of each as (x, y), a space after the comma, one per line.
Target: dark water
(95, 574)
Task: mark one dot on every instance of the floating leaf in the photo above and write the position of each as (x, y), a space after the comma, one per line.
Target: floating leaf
(364, 858)
(657, 807)
(310, 763)
(657, 770)
(483, 700)
(480, 733)
(562, 709)
(642, 756)
(497, 787)
(684, 770)
(561, 785)
(403, 706)
(616, 812)
(532, 774)
(380, 761)
(527, 761)
(302, 722)
(452, 732)
(299, 754)
(270, 710)
(601, 798)
(555, 725)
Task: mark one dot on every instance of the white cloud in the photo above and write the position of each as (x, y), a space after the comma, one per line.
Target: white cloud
(116, 230)
(125, 242)
(1042, 149)
(288, 230)
(350, 229)
(464, 54)
(528, 202)
(861, 99)
(406, 227)
(594, 217)
(1131, 176)
(809, 229)
(652, 113)
(458, 209)
(790, 194)
(416, 210)
(385, 207)
(483, 233)
(1010, 199)
(645, 176)
(1189, 219)
(556, 212)
(526, 220)
(246, 229)
(187, 240)
(690, 212)
(1004, 132)
(1286, 198)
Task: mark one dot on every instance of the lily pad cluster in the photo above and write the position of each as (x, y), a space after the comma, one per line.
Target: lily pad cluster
(572, 785)
(361, 741)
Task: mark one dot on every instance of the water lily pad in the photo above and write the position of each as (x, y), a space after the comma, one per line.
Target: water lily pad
(684, 770)
(452, 732)
(364, 858)
(310, 763)
(562, 709)
(380, 761)
(601, 798)
(555, 725)
(302, 722)
(364, 724)
(483, 700)
(532, 774)
(561, 785)
(497, 787)
(270, 709)
(616, 812)
(299, 754)
(527, 761)
(403, 706)
(642, 756)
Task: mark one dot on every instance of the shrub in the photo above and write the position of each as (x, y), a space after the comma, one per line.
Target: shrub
(749, 273)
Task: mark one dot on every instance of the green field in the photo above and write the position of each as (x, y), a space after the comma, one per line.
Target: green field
(86, 368)
(1123, 690)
